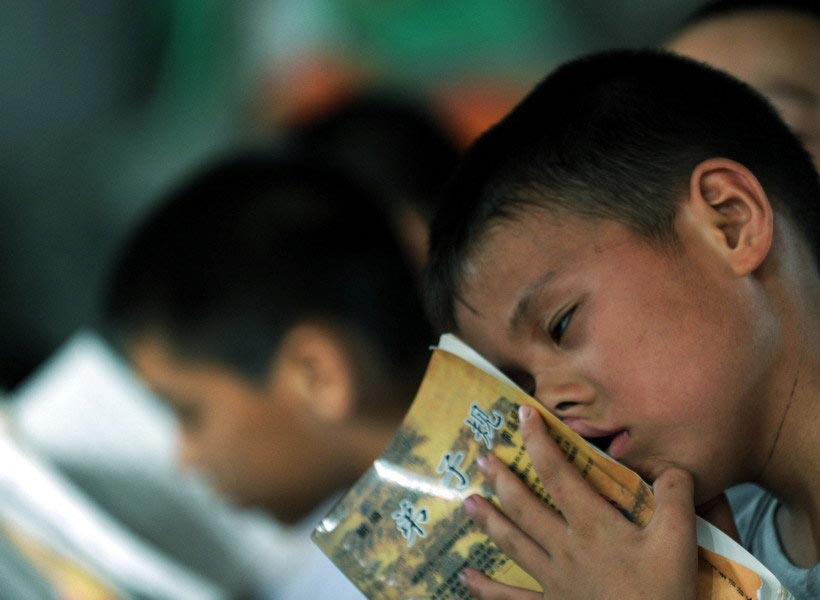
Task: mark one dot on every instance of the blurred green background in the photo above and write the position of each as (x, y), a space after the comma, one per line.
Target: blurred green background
(106, 102)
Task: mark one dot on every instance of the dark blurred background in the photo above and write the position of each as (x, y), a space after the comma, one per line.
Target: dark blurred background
(105, 103)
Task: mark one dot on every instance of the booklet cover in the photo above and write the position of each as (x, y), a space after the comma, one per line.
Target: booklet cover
(401, 532)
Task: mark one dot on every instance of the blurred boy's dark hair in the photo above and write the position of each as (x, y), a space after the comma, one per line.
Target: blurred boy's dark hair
(251, 246)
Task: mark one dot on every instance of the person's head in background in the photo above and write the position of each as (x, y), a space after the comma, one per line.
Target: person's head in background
(772, 45)
(394, 143)
(269, 303)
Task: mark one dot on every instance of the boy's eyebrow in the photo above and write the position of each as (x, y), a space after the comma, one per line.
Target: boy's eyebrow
(526, 298)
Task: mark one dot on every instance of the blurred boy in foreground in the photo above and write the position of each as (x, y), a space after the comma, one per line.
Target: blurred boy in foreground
(636, 244)
(269, 303)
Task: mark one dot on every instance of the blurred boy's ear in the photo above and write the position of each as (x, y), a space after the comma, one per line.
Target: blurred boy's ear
(319, 374)
(734, 210)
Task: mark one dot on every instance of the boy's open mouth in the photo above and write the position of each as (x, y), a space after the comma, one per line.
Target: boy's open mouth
(602, 442)
(614, 444)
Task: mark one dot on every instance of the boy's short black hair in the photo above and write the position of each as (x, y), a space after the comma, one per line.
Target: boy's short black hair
(253, 245)
(615, 136)
(719, 8)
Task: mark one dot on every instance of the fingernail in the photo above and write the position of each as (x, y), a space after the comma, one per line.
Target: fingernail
(463, 577)
(470, 505)
(524, 412)
(483, 462)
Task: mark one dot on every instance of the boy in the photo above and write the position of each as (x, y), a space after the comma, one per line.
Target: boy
(772, 45)
(267, 301)
(395, 144)
(636, 244)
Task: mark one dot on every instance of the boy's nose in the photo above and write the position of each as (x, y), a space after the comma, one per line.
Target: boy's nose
(565, 398)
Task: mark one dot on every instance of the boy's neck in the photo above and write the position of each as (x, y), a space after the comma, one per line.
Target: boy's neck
(336, 461)
(792, 469)
(793, 473)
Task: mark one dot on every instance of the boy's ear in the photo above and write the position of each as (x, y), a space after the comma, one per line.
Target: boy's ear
(319, 374)
(737, 217)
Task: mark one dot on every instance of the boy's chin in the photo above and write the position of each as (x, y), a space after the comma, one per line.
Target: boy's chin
(233, 496)
(649, 473)
(709, 491)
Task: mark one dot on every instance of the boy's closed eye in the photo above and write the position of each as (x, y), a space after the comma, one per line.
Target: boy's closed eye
(559, 326)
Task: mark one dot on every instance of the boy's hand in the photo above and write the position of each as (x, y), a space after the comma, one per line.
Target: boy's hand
(591, 551)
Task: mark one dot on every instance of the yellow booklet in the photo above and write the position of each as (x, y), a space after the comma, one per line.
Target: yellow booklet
(401, 531)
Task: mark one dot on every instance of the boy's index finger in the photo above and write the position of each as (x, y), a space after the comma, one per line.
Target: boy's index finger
(576, 499)
(674, 503)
